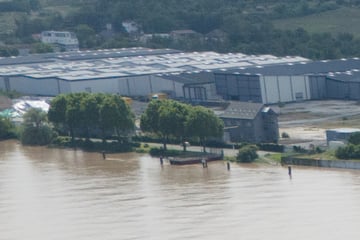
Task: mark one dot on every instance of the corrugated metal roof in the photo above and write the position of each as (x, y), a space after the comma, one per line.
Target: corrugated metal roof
(301, 68)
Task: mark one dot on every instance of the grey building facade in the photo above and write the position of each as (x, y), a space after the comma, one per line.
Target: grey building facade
(336, 79)
(250, 122)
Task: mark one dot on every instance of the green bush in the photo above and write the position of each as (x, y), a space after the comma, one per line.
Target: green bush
(7, 129)
(247, 154)
(36, 135)
(350, 151)
(271, 147)
(285, 135)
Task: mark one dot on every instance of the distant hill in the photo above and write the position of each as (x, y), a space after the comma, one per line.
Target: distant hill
(309, 28)
(335, 21)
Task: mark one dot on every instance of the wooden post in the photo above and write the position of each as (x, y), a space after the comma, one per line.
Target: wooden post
(204, 163)
(289, 171)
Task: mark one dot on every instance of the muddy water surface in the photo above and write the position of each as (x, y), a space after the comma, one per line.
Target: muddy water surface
(61, 194)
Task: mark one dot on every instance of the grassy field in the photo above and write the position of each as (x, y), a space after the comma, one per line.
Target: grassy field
(336, 21)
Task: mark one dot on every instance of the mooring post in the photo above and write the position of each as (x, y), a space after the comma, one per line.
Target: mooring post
(289, 170)
(204, 163)
(103, 154)
(228, 166)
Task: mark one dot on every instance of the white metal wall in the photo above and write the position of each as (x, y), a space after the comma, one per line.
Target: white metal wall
(276, 89)
(98, 85)
(128, 86)
(43, 86)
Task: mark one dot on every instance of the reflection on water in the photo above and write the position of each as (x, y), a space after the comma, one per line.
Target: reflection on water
(65, 194)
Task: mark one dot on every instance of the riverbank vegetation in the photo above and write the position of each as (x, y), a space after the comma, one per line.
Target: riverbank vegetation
(105, 122)
(168, 118)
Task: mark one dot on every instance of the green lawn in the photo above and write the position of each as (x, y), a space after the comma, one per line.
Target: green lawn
(335, 21)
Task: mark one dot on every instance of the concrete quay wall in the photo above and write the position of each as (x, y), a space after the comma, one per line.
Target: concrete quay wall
(349, 164)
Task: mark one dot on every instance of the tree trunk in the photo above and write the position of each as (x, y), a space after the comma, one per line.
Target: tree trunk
(103, 135)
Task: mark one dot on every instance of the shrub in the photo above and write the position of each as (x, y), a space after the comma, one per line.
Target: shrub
(285, 135)
(271, 147)
(247, 154)
(36, 136)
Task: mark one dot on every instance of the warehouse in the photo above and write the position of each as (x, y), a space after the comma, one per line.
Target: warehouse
(129, 72)
(335, 79)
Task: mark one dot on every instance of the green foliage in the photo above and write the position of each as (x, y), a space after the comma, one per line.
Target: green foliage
(10, 94)
(7, 129)
(168, 118)
(6, 51)
(354, 138)
(285, 135)
(271, 147)
(350, 151)
(247, 25)
(30, 135)
(299, 149)
(41, 48)
(90, 112)
(35, 130)
(247, 154)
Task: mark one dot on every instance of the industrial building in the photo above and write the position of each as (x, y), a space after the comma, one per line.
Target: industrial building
(189, 76)
(129, 72)
(311, 80)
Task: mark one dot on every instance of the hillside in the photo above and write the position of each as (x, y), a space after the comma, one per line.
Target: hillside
(312, 28)
(335, 21)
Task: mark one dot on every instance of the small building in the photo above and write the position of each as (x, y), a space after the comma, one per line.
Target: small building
(66, 41)
(339, 134)
(178, 35)
(250, 122)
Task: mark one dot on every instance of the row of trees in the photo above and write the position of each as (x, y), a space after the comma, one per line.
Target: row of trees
(167, 118)
(86, 113)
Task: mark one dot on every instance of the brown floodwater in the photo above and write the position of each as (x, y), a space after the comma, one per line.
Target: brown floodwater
(48, 194)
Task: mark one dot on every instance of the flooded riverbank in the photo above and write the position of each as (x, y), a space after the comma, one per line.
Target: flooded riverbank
(65, 194)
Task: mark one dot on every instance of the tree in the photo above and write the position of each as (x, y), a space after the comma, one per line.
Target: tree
(172, 120)
(89, 107)
(354, 138)
(57, 111)
(35, 129)
(6, 128)
(41, 48)
(203, 123)
(247, 154)
(115, 115)
(86, 112)
(150, 119)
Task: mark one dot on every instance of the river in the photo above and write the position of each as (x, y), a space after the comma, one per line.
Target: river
(48, 194)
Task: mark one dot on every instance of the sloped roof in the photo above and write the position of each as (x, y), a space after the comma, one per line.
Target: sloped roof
(242, 110)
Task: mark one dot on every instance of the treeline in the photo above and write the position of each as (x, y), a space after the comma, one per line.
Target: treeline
(351, 150)
(19, 5)
(84, 114)
(168, 118)
(239, 26)
(105, 116)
